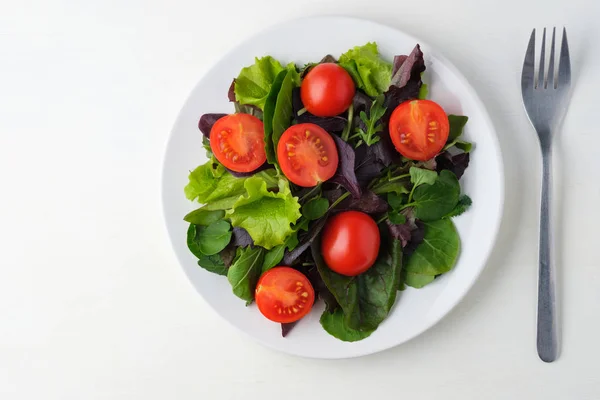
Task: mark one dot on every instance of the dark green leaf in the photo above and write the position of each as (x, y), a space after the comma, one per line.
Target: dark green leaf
(274, 256)
(268, 117)
(395, 200)
(245, 271)
(463, 205)
(390, 187)
(397, 218)
(457, 124)
(423, 91)
(315, 208)
(335, 324)
(213, 264)
(432, 202)
(208, 240)
(438, 251)
(282, 117)
(202, 216)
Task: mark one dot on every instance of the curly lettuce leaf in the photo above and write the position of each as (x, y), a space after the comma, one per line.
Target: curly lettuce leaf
(266, 215)
(253, 84)
(370, 73)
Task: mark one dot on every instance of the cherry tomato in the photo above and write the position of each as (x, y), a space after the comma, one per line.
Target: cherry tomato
(307, 154)
(327, 90)
(350, 243)
(284, 294)
(237, 141)
(419, 129)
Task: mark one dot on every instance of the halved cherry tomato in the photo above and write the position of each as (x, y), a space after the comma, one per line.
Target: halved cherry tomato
(350, 243)
(284, 294)
(307, 154)
(419, 129)
(237, 141)
(327, 90)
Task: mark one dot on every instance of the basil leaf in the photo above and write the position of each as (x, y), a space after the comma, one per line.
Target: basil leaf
(202, 216)
(245, 271)
(315, 208)
(420, 176)
(432, 202)
(213, 264)
(208, 240)
(335, 324)
(439, 250)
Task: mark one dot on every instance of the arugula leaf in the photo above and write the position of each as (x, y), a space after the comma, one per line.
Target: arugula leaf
(464, 202)
(372, 122)
(420, 176)
(253, 84)
(202, 216)
(269, 112)
(438, 252)
(315, 208)
(245, 271)
(432, 202)
(266, 215)
(208, 240)
(370, 72)
(213, 264)
(335, 324)
(284, 110)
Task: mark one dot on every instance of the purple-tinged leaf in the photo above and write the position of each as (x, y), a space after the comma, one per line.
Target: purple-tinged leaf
(369, 203)
(291, 257)
(409, 67)
(241, 237)
(207, 121)
(345, 174)
(457, 164)
(231, 92)
(287, 327)
(361, 102)
(416, 238)
(398, 61)
(332, 194)
(401, 232)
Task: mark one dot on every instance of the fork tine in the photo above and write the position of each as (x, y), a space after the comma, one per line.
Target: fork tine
(564, 66)
(540, 82)
(528, 73)
(550, 74)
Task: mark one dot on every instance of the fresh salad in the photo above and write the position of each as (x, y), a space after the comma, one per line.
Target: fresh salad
(336, 180)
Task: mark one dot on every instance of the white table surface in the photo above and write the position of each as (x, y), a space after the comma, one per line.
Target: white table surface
(93, 304)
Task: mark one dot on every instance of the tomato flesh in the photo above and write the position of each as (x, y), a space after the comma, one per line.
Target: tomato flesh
(419, 129)
(307, 154)
(237, 141)
(284, 295)
(327, 90)
(350, 243)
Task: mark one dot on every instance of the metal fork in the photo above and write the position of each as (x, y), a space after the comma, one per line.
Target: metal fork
(546, 100)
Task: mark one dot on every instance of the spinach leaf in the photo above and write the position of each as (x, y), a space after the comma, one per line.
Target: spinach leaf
(397, 218)
(245, 271)
(213, 264)
(464, 202)
(420, 176)
(268, 117)
(432, 202)
(395, 200)
(457, 124)
(208, 240)
(315, 208)
(202, 216)
(335, 324)
(438, 251)
(417, 280)
(365, 299)
(283, 112)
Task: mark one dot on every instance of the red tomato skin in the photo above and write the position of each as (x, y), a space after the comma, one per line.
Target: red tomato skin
(307, 159)
(350, 243)
(327, 90)
(284, 295)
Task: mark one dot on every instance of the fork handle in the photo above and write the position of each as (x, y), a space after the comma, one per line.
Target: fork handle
(547, 337)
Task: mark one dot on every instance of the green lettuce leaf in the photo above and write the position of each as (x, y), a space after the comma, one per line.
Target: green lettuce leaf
(266, 215)
(253, 84)
(211, 182)
(369, 71)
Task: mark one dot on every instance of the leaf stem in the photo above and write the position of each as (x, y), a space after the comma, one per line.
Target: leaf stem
(383, 218)
(348, 127)
(310, 193)
(339, 200)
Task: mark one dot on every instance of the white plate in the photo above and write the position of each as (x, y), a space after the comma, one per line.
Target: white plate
(415, 311)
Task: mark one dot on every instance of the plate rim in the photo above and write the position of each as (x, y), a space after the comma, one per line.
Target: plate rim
(485, 116)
